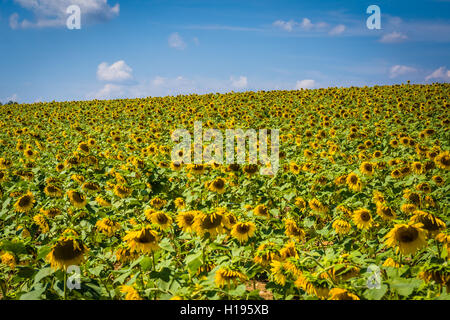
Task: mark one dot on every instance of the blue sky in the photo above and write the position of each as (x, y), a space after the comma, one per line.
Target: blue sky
(134, 48)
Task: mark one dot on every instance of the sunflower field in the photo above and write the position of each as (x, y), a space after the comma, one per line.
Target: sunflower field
(358, 210)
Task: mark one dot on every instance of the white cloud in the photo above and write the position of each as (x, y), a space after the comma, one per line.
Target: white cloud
(440, 74)
(305, 84)
(399, 70)
(118, 71)
(305, 24)
(176, 41)
(239, 83)
(110, 91)
(393, 37)
(285, 25)
(52, 13)
(337, 30)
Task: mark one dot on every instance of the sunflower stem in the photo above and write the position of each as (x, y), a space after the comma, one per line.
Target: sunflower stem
(65, 285)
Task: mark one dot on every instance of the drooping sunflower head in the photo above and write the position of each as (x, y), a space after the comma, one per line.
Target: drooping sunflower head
(443, 160)
(293, 231)
(385, 212)
(77, 199)
(407, 238)
(341, 226)
(161, 219)
(430, 223)
(68, 250)
(261, 211)
(144, 240)
(227, 275)
(342, 294)
(211, 223)
(91, 187)
(53, 191)
(122, 191)
(157, 203)
(107, 226)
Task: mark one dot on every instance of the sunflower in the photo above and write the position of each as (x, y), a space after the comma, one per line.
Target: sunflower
(209, 223)
(185, 220)
(261, 211)
(417, 167)
(179, 203)
(443, 160)
(317, 206)
(367, 168)
(68, 250)
(107, 226)
(41, 222)
(293, 231)
(408, 208)
(242, 231)
(389, 262)
(90, 187)
(25, 202)
(362, 218)
(294, 168)
(407, 238)
(197, 169)
(144, 240)
(341, 226)
(124, 254)
(289, 251)
(386, 212)
(157, 203)
(176, 165)
(77, 178)
(430, 223)
(440, 274)
(266, 253)
(161, 219)
(9, 260)
(122, 191)
(250, 169)
(278, 272)
(130, 293)
(3, 176)
(342, 294)
(353, 182)
(53, 191)
(103, 202)
(300, 203)
(218, 185)
(226, 275)
(77, 199)
(438, 180)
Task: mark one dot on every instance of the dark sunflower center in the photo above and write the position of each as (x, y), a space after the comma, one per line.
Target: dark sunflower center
(365, 216)
(353, 179)
(408, 234)
(243, 228)
(368, 167)
(219, 184)
(24, 201)
(211, 222)
(446, 160)
(188, 219)
(65, 250)
(146, 237)
(162, 218)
